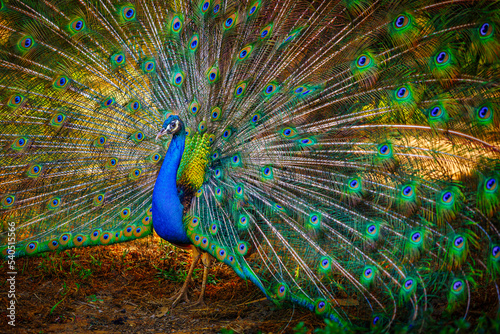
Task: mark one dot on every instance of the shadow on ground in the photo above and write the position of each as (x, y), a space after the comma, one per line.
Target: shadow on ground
(124, 289)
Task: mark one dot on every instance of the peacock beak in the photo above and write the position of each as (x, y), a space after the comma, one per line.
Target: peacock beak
(163, 132)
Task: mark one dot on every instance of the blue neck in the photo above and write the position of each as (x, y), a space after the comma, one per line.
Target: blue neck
(167, 207)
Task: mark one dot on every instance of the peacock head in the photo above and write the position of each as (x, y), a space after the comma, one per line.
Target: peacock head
(172, 126)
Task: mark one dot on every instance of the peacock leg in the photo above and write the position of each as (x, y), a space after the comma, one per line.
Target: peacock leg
(182, 294)
(207, 260)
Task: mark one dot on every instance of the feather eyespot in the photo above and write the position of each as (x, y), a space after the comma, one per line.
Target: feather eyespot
(54, 203)
(495, 252)
(401, 22)
(235, 160)
(490, 185)
(363, 61)
(254, 8)
(204, 242)
(213, 229)
(205, 6)
(216, 112)
(138, 232)
(19, 143)
(217, 173)
(125, 213)
(325, 264)
(60, 82)
(484, 114)
(213, 75)
(98, 199)
(402, 93)
(111, 163)
(178, 78)
(216, 9)
(266, 31)
(242, 248)
(227, 133)
(16, 101)
(407, 191)
(408, 284)
(79, 240)
(193, 43)
(133, 106)
(146, 220)
(194, 107)
(53, 245)
(129, 230)
(267, 172)
(291, 36)
(255, 118)
(148, 66)
(118, 59)
(459, 242)
(245, 52)
(34, 171)
(416, 237)
(202, 126)
(108, 102)
(220, 253)
(447, 197)
(240, 193)
(31, 247)
(25, 43)
(240, 89)
(486, 30)
(436, 112)
(354, 184)
(281, 289)
(372, 229)
(384, 150)
(137, 137)
(288, 132)
(155, 157)
(8, 201)
(196, 239)
(76, 25)
(128, 13)
(368, 273)
(320, 306)
(314, 220)
(135, 173)
(270, 89)
(230, 21)
(457, 286)
(176, 25)
(442, 58)
(100, 141)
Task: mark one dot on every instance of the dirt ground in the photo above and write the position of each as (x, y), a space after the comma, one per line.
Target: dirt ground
(124, 289)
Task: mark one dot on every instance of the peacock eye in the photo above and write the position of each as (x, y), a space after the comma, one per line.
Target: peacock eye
(495, 251)
(486, 30)
(401, 21)
(435, 111)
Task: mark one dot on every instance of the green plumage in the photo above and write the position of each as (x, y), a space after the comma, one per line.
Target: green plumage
(336, 150)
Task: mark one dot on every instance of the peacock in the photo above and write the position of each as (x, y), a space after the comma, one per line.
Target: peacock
(342, 155)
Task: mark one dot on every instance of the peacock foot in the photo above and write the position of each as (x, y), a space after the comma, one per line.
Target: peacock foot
(179, 296)
(207, 260)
